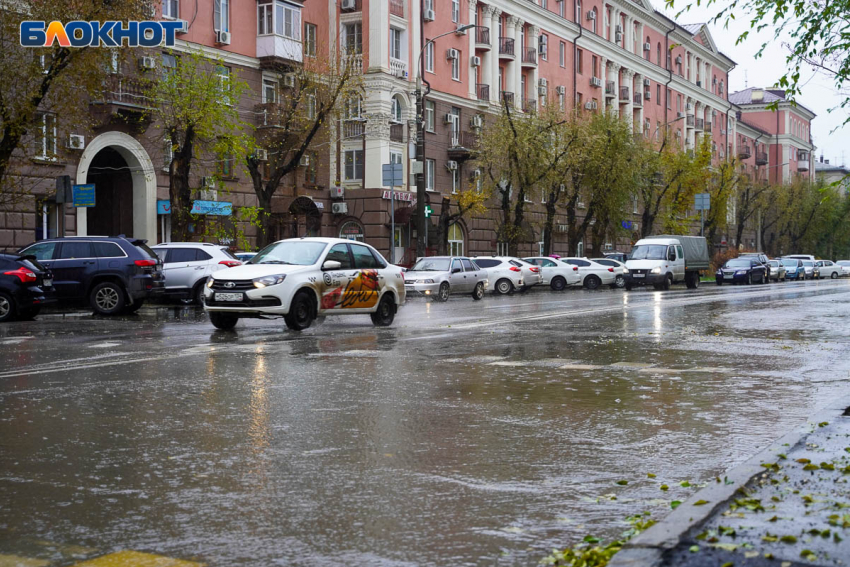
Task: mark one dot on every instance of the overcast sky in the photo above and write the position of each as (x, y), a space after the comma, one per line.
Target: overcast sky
(819, 93)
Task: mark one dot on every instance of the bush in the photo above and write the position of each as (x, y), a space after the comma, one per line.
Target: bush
(720, 258)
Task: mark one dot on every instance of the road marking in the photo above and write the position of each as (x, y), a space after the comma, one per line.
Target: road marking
(136, 559)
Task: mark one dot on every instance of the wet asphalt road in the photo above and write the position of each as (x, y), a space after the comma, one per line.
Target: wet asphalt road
(469, 433)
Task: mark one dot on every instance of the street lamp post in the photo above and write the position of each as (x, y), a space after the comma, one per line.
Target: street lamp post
(421, 241)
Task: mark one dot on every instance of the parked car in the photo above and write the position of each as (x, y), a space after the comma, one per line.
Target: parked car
(25, 285)
(741, 270)
(794, 269)
(811, 269)
(758, 256)
(592, 274)
(619, 256)
(619, 270)
(776, 270)
(665, 260)
(440, 276)
(845, 267)
(555, 273)
(113, 274)
(244, 256)
(301, 279)
(505, 272)
(187, 265)
(828, 269)
(801, 257)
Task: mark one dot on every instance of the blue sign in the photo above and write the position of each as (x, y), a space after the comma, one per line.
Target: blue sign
(392, 174)
(627, 224)
(83, 195)
(217, 208)
(702, 201)
(163, 207)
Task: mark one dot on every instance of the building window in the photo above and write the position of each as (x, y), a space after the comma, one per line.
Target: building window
(224, 165)
(502, 247)
(430, 115)
(658, 54)
(354, 165)
(543, 46)
(395, 157)
(310, 40)
(311, 106)
(593, 21)
(223, 74)
(311, 173)
(578, 12)
(658, 95)
(429, 57)
(169, 63)
(354, 38)
(594, 65)
(561, 101)
(430, 170)
(657, 129)
(269, 91)
(395, 110)
(46, 137)
(456, 67)
(221, 18)
(352, 231)
(669, 99)
(170, 9)
(279, 19)
(456, 11)
(561, 9)
(579, 57)
(455, 178)
(455, 240)
(679, 103)
(395, 43)
(353, 108)
(562, 54)
(167, 154)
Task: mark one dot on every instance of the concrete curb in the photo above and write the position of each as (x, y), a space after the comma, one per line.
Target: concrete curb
(648, 549)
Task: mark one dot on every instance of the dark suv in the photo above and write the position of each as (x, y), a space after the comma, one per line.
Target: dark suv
(113, 274)
(25, 285)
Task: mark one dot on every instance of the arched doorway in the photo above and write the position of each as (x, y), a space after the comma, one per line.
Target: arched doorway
(455, 240)
(351, 230)
(305, 218)
(134, 203)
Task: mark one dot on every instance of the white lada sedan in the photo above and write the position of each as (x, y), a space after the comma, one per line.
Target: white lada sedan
(304, 278)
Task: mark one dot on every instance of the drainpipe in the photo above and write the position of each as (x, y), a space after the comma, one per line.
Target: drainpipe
(667, 58)
(575, 54)
(779, 157)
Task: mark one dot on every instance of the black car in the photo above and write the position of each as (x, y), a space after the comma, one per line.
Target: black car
(112, 274)
(25, 285)
(742, 270)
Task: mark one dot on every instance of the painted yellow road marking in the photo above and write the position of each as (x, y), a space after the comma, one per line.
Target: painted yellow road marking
(136, 559)
(18, 561)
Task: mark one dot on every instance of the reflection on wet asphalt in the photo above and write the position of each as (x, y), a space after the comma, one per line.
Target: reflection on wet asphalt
(469, 433)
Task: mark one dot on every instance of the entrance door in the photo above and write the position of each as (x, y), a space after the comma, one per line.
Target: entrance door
(113, 185)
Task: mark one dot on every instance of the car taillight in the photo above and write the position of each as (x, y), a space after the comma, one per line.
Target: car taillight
(231, 263)
(25, 275)
(610, 269)
(514, 269)
(143, 263)
(535, 269)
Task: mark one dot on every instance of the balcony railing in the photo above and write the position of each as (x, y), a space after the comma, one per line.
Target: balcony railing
(529, 105)
(638, 99)
(353, 129)
(358, 7)
(398, 68)
(124, 91)
(508, 97)
(624, 94)
(609, 88)
(744, 152)
(700, 124)
(396, 132)
(802, 162)
(529, 55)
(761, 158)
(506, 46)
(459, 140)
(483, 91)
(690, 120)
(397, 8)
(482, 36)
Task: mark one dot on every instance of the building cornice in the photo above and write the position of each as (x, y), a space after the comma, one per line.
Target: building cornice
(213, 52)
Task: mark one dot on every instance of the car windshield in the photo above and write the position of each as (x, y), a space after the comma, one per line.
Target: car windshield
(649, 252)
(296, 252)
(773, 263)
(790, 263)
(738, 263)
(808, 263)
(431, 265)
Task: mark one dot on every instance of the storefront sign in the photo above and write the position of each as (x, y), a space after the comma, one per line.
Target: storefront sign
(407, 196)
(216, 208)
(83, 195)
(163, 207)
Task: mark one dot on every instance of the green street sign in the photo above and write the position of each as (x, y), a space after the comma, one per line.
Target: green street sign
(428, 211)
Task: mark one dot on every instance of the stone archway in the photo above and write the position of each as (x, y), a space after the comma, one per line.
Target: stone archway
(142, 177)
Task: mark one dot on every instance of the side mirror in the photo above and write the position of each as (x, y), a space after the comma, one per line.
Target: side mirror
(331, 265)
(456, 270)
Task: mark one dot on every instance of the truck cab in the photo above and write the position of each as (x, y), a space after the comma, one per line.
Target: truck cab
(661, 261)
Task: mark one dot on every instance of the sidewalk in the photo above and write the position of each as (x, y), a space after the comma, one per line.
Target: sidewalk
(787, 506)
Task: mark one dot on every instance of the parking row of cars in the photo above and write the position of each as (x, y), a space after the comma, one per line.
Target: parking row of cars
(757, 268)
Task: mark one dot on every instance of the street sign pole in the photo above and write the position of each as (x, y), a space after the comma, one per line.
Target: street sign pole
(702, 203)
(702, 222)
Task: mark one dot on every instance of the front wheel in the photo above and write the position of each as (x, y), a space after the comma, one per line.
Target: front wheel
(592, 282)
(107, 298)
(504, 286)
(443, 293)
(478, 292)
(619, 282)
(667, 281)
(302, 311)
(7, 308)
(198, 293)
(223, 321)
(834, 276)
(385, 314)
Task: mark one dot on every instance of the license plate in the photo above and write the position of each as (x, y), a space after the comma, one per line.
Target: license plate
(228, 297)
(638, 275)
(47, 282)
(729, 276)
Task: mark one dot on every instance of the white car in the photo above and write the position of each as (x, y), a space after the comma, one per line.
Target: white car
(845, 267)
(619, 270)
(556, 274)
(828, 269)
(186, 266)
(505, 273)
(301, 279)
(592, 274)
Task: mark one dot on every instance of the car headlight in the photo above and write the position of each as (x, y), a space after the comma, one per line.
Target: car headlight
(427, 281)
(656, 270)
(625, 270)
(741, 273)
(210, 282)
(267, 281)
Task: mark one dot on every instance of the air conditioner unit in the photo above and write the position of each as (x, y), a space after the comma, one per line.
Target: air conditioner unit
(680, 114)
(401, 74)
(618, 37)
(289, 80)
(619, 28)
(542, 90)
(699, 83)
(723, 130)
(451, 165)
(449, 118)
(647, 82)
(595, 82)
(561, 90)
(261, 154)
(689, 106)
(208, 183)
(678, 59)
(591, 15)
(460, 30)
(541, 82)
(588, 105)
(647, 95)
(222, 37)
(76, 142)
(476, 61)
(348, 4)
(147, 62)
(429, 16)
(477, 121)
(184, 26)
(594, 104)
(339, 208)
(647, 46)
(678, 133)
(305, 161)
(452, 53)
(337, 192)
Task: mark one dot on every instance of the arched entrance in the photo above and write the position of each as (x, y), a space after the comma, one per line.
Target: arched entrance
(305, 218)
(125, 188)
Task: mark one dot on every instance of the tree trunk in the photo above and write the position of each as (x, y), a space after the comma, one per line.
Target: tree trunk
(179, 190)
(266, 225)
(443, 227)
(548, 230)
(517, 232)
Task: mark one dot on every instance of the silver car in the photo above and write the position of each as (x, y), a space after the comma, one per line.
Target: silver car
(776, 270)
(440, 276)
(828, 269)
(186, 266)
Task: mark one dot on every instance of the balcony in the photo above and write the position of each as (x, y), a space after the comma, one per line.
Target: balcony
(624, 94)
(398, 68)
(352, 129)
(128, 92)
(358, 7)
(274, 50)
(397, 133)
(802, 163)
(690, 120)
(700, 124)
(529, 105)
(609, 88)
(508, 98)
(638, 99)
(396, 8)
(482, 38)
(462, 144)
(708, 129)
(761, 158)
(744, 152)
(482, 91)
(506, 46)
(355, 60)
(529, 57)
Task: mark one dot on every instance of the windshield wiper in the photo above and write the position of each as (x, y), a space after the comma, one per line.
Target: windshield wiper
(275, 262)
